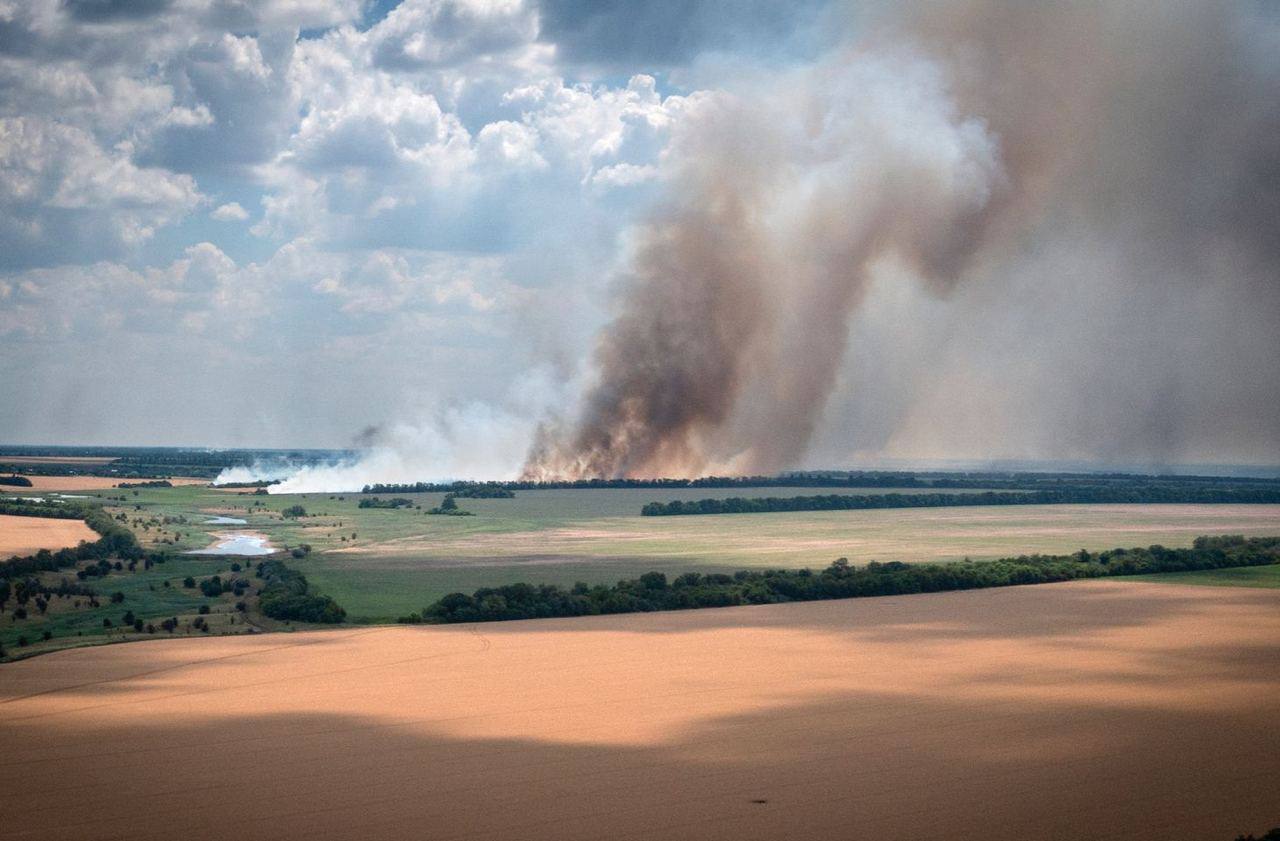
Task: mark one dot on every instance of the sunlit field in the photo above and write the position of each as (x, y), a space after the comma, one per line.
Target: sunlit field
(1084, 710)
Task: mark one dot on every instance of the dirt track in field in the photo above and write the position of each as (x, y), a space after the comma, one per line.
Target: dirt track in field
(1070, 711)
(26, 535)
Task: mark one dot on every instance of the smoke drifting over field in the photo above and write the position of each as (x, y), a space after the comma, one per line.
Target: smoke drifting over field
(1110, 175)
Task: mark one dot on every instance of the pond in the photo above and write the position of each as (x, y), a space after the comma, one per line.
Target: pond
(237, 544)
(225, 521)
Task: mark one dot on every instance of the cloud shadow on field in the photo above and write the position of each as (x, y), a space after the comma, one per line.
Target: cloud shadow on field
(1147, 716)
(854, 765)
(1040, 610)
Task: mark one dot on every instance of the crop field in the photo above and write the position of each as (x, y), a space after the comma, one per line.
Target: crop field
(83, 483)
(1267, 576)
(1083, 710)
(26, 535)
(381, 563)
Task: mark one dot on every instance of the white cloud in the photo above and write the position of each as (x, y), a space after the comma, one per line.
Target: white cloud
(230, 212)
(421, 180)
(421, 34)
(57, 185)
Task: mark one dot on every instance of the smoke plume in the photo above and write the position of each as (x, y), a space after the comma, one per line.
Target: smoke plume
(1084, 168)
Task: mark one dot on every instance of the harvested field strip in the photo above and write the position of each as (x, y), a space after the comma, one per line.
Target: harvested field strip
(88, 483)
(1090, 709)
(27, 535)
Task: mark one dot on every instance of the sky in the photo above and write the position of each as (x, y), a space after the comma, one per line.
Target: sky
(424, 225)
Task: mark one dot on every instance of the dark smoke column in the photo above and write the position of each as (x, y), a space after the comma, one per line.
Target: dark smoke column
(1101, 157)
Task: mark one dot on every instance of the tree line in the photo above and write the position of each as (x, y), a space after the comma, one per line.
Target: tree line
(841, 580)
(1149, 494)
(845, 479)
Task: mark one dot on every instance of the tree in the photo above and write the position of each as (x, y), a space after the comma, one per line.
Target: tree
(654, 581)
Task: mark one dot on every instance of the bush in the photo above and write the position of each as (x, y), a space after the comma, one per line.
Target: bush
(286, 595)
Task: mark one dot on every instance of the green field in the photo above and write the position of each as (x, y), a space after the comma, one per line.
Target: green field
(1268, 576)
(144, 594)
(400, 560)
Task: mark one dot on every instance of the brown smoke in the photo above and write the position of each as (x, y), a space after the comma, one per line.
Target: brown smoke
(944, 146)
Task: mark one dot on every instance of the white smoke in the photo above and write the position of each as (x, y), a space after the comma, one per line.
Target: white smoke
(262, 470)
(474, 442)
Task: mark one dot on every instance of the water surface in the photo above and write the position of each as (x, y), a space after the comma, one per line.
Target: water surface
(237, 544)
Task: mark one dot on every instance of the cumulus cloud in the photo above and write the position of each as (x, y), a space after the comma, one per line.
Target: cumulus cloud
(230, 212)
(64, 195)
(420, 34)
(387, 156)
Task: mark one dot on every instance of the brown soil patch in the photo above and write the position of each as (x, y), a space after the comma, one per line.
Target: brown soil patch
(1082, 710)
(27, 535)
(86, 483)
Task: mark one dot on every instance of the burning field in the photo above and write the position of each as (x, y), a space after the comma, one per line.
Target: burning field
(1093, 709)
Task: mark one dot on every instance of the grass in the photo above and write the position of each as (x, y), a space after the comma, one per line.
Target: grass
(144, 594)
(400, 560)
(1267, 577)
